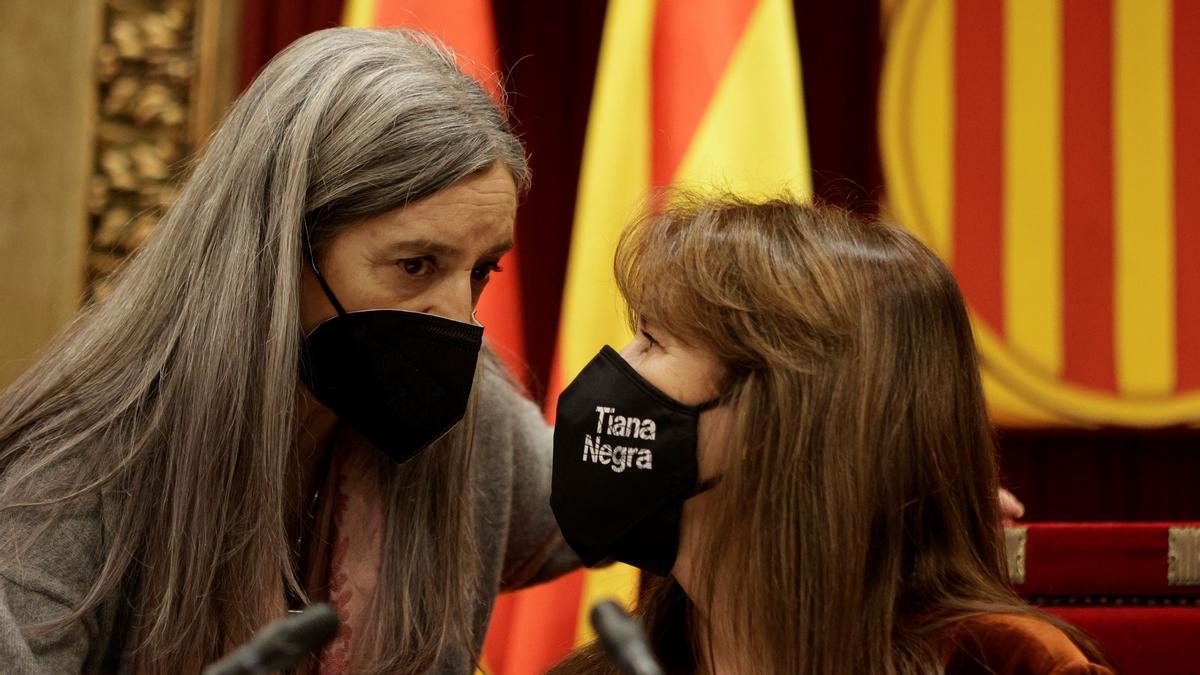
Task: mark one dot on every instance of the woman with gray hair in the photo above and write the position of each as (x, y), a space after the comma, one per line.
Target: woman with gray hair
(243, 425)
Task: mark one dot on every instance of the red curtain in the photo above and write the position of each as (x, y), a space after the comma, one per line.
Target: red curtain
(270, 25)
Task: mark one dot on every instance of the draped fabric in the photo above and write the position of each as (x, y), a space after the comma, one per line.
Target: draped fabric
(267, 26)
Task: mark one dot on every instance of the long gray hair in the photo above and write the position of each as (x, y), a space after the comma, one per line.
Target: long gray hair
(179, 393)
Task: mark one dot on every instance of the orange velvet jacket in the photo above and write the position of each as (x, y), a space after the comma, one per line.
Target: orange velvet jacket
(1006, 644)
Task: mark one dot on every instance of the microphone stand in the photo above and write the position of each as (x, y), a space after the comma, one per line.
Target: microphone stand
(623, 640)
(283, 644)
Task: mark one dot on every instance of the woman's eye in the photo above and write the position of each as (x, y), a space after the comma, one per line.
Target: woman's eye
(483, 273)
(417, 267)
(651, 342)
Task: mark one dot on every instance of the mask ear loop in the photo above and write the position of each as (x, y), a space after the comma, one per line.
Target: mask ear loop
(710, 404)
(312, 260)
(706, 485)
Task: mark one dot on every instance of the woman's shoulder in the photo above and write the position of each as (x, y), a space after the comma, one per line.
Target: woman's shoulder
(1013, 644)
(53, 546)
(50, 556)
(508, 423)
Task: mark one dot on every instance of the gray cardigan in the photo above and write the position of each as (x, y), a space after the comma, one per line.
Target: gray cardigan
(517, 538)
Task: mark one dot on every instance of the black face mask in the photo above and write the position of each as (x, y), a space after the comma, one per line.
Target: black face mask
(401, 379)
(624, 463)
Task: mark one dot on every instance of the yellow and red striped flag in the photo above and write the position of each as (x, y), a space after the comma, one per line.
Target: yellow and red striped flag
(467, 27)
(702, 93)
(1048, 151)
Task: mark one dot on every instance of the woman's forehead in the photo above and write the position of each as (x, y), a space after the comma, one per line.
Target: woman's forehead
(473, 217)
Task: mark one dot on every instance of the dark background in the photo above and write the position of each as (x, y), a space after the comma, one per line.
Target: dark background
(548, 51)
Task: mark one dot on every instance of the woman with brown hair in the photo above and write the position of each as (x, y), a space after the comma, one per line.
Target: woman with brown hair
(279, 404)
(795, 444)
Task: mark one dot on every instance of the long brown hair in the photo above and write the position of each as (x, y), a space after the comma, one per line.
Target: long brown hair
(177, 397)
(857, 515)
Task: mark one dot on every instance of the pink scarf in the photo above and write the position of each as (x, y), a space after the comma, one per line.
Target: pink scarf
(348, 535)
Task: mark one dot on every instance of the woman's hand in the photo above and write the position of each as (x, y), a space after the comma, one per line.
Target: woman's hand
(1011, 508)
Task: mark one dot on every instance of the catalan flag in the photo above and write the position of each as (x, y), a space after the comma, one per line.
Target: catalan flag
(700, 93)
(1048, 150)
(467, 27)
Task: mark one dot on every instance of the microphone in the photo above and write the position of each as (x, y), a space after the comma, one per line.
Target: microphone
(623, 640)
(283, 644)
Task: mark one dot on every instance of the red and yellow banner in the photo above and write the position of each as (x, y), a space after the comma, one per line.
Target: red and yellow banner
(699, 93)
(1049, 151)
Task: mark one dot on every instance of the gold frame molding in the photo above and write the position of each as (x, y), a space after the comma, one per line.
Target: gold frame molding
(164, 74)
(1183, 556)
(1015, 539)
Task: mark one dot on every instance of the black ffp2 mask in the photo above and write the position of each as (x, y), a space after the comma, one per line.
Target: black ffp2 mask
(401, 379)
(624, 463)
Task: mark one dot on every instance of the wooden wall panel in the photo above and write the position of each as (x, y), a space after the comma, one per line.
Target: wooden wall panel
(46, 105)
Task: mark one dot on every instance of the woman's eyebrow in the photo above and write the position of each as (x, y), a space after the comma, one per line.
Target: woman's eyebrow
(424, 247)
(499, 249)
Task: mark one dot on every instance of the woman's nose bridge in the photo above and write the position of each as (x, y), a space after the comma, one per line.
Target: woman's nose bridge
(629, 352)
(452, 297)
